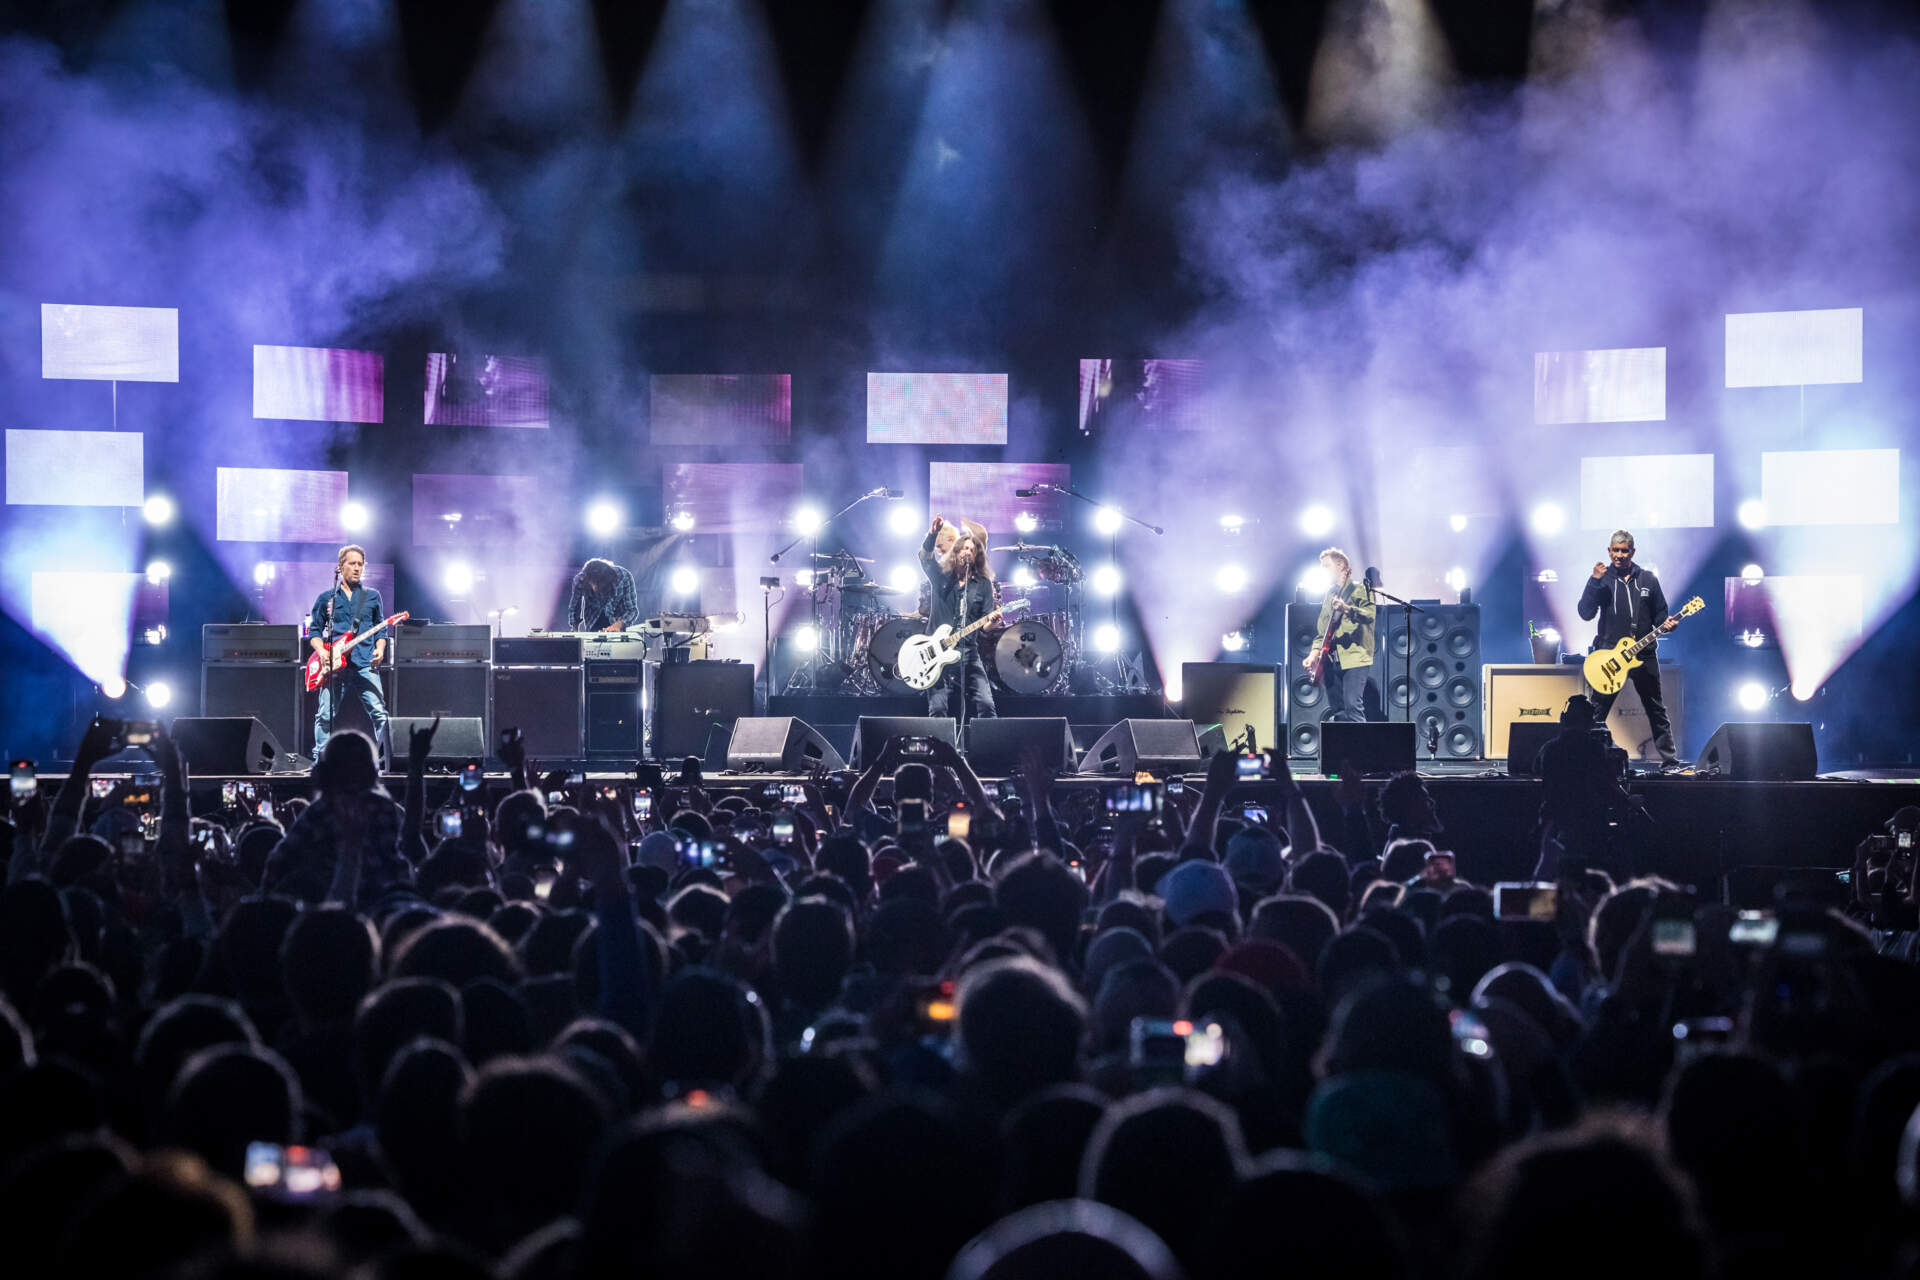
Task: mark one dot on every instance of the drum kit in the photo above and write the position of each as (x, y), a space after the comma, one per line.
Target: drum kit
(1031, 654)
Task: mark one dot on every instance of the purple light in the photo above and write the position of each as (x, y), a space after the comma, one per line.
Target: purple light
(1165, 395)
(485, 391)
(721, 408)
(465, 510)
(984, 491)
(257, 504)
(735, 497)
(936, 408)
(318, 384)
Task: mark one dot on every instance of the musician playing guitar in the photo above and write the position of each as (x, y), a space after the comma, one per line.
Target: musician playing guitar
(1342, 654)
(1629, 602)
(349, 606)
(961, 590)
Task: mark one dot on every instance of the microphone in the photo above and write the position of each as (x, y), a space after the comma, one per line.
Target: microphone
(884, 492)
(1025, 493)
(774, 558)
(1371, 578)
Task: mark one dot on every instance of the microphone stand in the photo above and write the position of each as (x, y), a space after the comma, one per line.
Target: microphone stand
(820, 649)
(1113, 553)
(1407, 609)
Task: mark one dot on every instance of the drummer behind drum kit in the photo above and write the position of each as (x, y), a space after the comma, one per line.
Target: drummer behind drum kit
(1028, 655)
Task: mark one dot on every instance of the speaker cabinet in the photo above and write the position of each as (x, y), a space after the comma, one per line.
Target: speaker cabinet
(1366, 749)
(225, 745)
(997, 745)
(1759, 752)
(447, 690)
(543, 703)
(1524, 738)
(1237, 696)
(1445, 693)
(872, 732)
(779, 744)
(1521, 694)
(1306, 699)
(613, 708)
(457, 740)
(691, 700)
(1157, 746)
(270, 694)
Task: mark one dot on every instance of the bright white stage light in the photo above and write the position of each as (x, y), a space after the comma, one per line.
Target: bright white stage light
(1234, 641)
(1803, 690)
(1230, 578)
(1752, 696)
(807, 521)
(1550, 634)
(1023, 576)
(682, 521)
(1752, 638)
(113, 687)
(1106, 580)
(1548, 519)
(803, 577)
(1752, 514)
(262, 573)
(905, 577)
(1026, 522)
(1316, 581)
(1457, 578)
(1232, 523)
(603, 518)
(158, 509)
(1107, 519)
(458, 578)
(1752, 573)
(159, 693)
(353, 517)
(1546, 576)
(158, 571)
(685, 580)
(1457, 522)
(1106, 638)
(1316, 521)
(903, 519)
(806, 639)
(156, 634)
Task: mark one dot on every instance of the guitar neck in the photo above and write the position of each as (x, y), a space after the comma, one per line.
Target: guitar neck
(978, 623)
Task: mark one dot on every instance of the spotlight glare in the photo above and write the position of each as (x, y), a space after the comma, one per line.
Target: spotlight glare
(1550, 634)
(685, 580)
(1026, 522)
(1457, 578)
(458, 578)
(1106, 580)
(1316, 581)
(1106, 638)
(1457, 522)
(603, 518)
(806, 639)
(682, 521)
(1752, 696)
(1803, 691)
(1233, 523)
(1751, 574)
(159, 571)
(353, 517)
(803, 577)
(1230, 578)
(1234, 641)
(1548, 519)
(1316, 521)
(1752, 638)
(807, 521)
(904, 577)
(1023, 576)
(903, 519)
(156, 634)
(1107, 519)
(158, 509)
(1546, 576)
(159, 693)
(262, 573)
(1752, 514)
(113, 687)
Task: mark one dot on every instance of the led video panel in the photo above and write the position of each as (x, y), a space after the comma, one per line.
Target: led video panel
(110, 344)
(735, 497)
(1795, 348)
(1649, 491)
(261, 504)
(721, 408)
(1627, 384)
(296, 584)
(478, 390)
(464, 510)
(1164, 394)
(1831, 486)
(75, 468)
(985, 491)
(318, 384)
(936, 408)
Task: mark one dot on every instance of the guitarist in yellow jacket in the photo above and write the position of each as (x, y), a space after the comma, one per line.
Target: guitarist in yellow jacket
(1348, 668)
(1629, 603)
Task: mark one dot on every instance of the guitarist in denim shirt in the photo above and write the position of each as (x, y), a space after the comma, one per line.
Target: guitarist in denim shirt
(349, 606)
(1630, 603)
(961, 591)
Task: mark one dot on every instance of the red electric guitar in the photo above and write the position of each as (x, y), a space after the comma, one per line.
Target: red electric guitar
(320, 667)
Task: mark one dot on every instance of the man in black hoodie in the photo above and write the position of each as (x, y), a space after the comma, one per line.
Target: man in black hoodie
(1630, 602)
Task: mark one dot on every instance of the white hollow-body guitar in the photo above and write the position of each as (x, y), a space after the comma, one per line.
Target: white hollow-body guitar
(923, 658)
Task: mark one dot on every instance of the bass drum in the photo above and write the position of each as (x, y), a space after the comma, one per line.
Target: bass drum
(883, 651)
(1027, 657)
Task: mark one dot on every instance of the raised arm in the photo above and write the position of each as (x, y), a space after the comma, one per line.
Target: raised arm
(413, 844)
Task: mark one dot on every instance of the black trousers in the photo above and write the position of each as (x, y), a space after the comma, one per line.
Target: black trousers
(1646, 683)
(1346, 691)
(968, 674)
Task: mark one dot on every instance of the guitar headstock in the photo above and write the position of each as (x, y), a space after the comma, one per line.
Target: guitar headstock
(1690, 608)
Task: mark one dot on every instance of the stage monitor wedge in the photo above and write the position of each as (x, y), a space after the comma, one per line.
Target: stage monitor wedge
(871, 734)
(997, 745)
(216, 746)
(457, 740)
(1160, 747)
(1367, 749)
(1760, 751)
(780, 744)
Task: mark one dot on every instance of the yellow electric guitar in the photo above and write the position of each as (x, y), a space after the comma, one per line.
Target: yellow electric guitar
(1606, 669)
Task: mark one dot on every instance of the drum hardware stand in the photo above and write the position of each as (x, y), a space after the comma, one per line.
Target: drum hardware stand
(807, 676)
(767, 587)
(1130, 672)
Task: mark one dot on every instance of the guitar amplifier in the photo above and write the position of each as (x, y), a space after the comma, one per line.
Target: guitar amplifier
(1520, 694)
(444, 642)
(613, 708)
(277, 642)
(537, 651)
(544, 703)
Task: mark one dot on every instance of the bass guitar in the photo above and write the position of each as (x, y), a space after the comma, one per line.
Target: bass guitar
(1606, 669)
(923, 658)
(1316, 661)
(321, 667)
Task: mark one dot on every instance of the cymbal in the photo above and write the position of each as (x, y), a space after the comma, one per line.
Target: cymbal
(841, 555)
(1025, 546)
